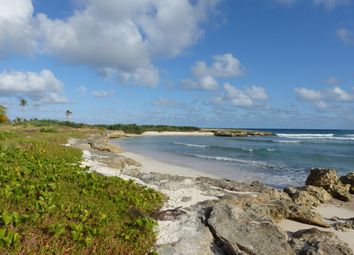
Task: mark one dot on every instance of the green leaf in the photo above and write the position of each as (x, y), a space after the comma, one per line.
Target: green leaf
(6, 218)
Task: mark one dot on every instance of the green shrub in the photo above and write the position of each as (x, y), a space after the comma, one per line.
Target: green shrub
(50, 205)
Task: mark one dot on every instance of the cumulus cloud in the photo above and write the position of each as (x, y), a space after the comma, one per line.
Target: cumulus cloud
(122, 37)
(223, 66)
(204, 83)
(16, 27)
(42, 87)
(102, 93)
(125, 36)
(321, 98)
(248, 97)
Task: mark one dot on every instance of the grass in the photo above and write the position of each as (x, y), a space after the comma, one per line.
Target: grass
(50, 205)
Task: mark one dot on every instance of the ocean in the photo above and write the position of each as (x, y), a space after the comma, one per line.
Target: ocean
(283, 160)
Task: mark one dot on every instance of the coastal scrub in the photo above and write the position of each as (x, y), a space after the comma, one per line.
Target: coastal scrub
(50, 205)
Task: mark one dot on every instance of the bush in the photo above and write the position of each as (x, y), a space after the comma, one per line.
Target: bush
(48, 130)
(3, 119)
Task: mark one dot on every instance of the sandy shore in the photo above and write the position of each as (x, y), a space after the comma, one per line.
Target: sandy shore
(151, 165)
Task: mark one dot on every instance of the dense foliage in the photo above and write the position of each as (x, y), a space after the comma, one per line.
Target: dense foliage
(50, 205)
(127, 128)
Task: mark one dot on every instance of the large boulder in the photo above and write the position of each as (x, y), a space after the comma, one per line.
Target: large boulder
(241, 233)
(316, 242)
(302, 197)
(327, 179)
(348, 179)
(318, 192)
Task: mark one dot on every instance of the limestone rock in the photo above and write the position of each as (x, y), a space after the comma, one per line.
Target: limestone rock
(305, 215)
(301, 197)
(327, 179)
(316, 242)
(348, 179)
(240, 133)
(241, 233)
(345, 224)
(318, 192)
(106, 147)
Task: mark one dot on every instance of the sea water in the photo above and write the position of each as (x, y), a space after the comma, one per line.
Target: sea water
(282, 160)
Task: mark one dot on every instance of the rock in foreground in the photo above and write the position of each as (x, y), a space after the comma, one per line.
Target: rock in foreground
(327, 179)
(316, 242)
(241, 233)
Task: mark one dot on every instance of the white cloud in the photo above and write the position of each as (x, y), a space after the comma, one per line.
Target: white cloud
(102, 93)
(223, 66)
(16, 27)
(204, 83)
(335, 94)
(42, 87)
(125, 36)
(248, 97)
(345, 35)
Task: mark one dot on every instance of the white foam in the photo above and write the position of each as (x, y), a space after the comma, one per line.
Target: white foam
(191, 145)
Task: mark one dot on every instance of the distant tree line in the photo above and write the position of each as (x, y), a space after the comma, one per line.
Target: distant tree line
(127, 128)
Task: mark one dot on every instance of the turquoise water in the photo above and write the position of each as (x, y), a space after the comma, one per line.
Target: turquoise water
(279, 161)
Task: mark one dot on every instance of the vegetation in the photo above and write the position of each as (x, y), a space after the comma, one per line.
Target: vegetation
(3, 117)
(50, 205)
(128, 128)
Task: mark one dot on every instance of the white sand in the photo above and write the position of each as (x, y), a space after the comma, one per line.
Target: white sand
(151, 165)
(327, 211)
(193, 133)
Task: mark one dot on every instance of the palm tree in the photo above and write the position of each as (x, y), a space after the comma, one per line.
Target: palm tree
(23, 103)
(68, 114)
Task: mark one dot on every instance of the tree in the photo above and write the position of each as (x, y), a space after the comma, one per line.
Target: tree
(68, 114)
(23, 103)
(3, 117)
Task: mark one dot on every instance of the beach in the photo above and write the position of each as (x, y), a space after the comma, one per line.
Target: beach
(190, 192)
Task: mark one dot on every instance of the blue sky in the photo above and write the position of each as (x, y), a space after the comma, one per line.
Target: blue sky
(210, 63)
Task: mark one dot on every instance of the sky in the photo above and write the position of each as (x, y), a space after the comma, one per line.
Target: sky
(206, 63)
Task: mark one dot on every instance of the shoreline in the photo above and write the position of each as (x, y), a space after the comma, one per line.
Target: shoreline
(150, 165)
(190, 192)
(173, 133)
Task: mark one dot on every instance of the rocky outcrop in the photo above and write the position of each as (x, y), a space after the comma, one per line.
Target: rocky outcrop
(344, 224)
(240, 133)
(105, 146)
(316, 242)
(327, 179)
(302, 197)
(348, 179)
(318, 192)
(241, 233)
